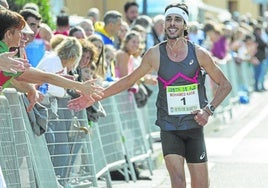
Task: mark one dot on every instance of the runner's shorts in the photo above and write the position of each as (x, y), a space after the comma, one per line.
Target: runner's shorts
(189, 144)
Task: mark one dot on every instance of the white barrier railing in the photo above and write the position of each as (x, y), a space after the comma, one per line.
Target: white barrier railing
(79, 158)
(34, 165)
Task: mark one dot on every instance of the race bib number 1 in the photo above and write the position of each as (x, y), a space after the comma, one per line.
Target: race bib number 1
(182, 99)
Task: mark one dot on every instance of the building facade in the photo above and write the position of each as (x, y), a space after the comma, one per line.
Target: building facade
(80, 7)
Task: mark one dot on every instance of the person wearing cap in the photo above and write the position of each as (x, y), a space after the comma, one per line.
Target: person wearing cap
(182, 106)
(33, 19)
(27, 29)
(26, 32)
(35, 48)
(32, 6)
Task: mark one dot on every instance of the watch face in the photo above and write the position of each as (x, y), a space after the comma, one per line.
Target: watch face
(212, 108)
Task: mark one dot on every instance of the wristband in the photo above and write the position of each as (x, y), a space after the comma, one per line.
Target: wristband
(211, 108)
(207, 112)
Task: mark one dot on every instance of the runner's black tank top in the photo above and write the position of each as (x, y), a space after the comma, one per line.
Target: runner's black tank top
(168, 76)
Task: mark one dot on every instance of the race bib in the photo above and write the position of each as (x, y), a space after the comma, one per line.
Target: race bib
(182, 99)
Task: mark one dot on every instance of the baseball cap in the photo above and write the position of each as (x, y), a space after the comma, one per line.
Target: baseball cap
(27, 29)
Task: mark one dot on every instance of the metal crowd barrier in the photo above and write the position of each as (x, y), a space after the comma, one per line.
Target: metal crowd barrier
(149, 117)
(25, 168)
(74, 154)
(241, 78)
(112, 139)
(123, 135)
(32, 162)
(76, 150)
(8, 154)
(100, 163)
(133, 131)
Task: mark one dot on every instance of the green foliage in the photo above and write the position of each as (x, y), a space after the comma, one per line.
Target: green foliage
(44, 9)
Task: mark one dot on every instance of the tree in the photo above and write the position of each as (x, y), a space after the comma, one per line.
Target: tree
(44, 9)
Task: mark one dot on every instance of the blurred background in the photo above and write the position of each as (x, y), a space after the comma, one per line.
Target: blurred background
(199, 9)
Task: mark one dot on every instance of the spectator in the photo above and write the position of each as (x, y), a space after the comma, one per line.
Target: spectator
(238, 38)
(143, 35)
(10, 65)
(66, 56)
(246, 54)
(77, 32)
(248, 49)
(145, 22)
(219, 46)
(87, 60)
(35, 48)
(109, 28)
(100, 63)
(124, 62)
(89, 57)
(94, 14)
(196, 35)
(45, 33)
(110, 52)
(131, 12)
(88, 27)
(11, 24)
(62, 24)
(90, 54)
(33, 19)
(158, 29)
(32, 6)
(121, 34)
(56, 40)
(88, 73)
(260, 69)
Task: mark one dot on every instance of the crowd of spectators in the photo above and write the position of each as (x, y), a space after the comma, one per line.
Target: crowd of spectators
(108, 49)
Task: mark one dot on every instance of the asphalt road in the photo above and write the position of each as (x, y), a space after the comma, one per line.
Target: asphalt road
(237, 150)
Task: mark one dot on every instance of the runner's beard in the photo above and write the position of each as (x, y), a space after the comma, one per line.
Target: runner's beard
(175, 36)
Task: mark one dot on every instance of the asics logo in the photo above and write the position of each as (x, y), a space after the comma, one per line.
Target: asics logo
(191, 62)
(202, 156)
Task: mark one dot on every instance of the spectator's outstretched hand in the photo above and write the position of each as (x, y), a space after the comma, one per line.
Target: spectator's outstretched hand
(92, 89)
(88, 96)
(81, 102)
(13, 65)
(33, 98)
(65, 75)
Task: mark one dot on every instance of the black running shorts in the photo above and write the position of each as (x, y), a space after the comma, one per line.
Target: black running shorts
(189, 144)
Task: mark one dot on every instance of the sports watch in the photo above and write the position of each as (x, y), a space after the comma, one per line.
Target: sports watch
(211, 108)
